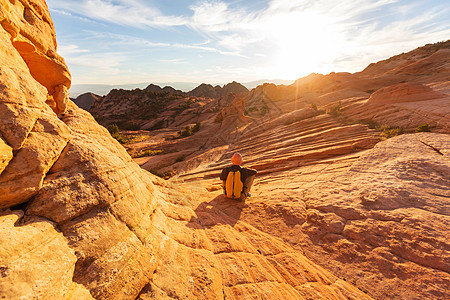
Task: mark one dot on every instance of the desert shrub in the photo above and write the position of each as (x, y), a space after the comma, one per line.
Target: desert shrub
(391, 132)
(423, 128)
(196, 127)
(180, 108)
(250, 110)
(150, 153)
(335, 110)
(113, 129)
(133, 138)
(187, 131)
(122, 123)
(316, 109)
(370, 91)
(115, 133)
(388, 132)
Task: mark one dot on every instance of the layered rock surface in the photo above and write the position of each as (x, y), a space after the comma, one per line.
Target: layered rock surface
(80, 220)
(376, 217)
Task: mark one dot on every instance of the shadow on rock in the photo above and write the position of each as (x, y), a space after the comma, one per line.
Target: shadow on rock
(220, 210)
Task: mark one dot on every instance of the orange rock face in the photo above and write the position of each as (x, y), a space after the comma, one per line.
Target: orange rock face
(80, 220)
(32, 34)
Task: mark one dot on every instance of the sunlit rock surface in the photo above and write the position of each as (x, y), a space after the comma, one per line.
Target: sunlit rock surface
(329, 216)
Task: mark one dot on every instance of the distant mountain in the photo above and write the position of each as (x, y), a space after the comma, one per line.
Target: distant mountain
(252, 84)
(207, 90)
(104, 89)
(101, 89)
(167, 89)
(86, 100)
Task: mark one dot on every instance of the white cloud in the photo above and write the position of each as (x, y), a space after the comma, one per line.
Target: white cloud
(286, 38)
(123, 12)
(67, 50)
(174, 61)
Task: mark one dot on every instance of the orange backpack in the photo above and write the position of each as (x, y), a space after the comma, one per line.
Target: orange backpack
(234, 185)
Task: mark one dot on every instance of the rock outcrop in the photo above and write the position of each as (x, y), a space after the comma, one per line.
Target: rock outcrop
(80, 207)
(31, 32)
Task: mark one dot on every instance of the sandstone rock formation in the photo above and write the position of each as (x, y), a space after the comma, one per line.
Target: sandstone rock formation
(149, 109)
(80, 220)
(30, 30)
(376, 217)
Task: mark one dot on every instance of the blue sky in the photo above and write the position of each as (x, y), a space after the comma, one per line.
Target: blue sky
(133, 41)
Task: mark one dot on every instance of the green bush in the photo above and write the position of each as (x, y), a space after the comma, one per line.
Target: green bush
(423, 128)
(151, 153)
(388, 132)
(115, 133)
(391, 132)
(186, 131)
(113, 129)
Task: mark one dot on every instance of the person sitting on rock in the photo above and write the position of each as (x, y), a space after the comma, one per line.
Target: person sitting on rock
(237, 181)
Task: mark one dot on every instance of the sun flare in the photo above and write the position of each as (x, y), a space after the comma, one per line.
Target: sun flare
(304, 43)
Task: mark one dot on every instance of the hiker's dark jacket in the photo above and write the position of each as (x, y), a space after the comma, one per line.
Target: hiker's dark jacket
(245, 172)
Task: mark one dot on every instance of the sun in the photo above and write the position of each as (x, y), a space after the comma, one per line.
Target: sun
(303, 43)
